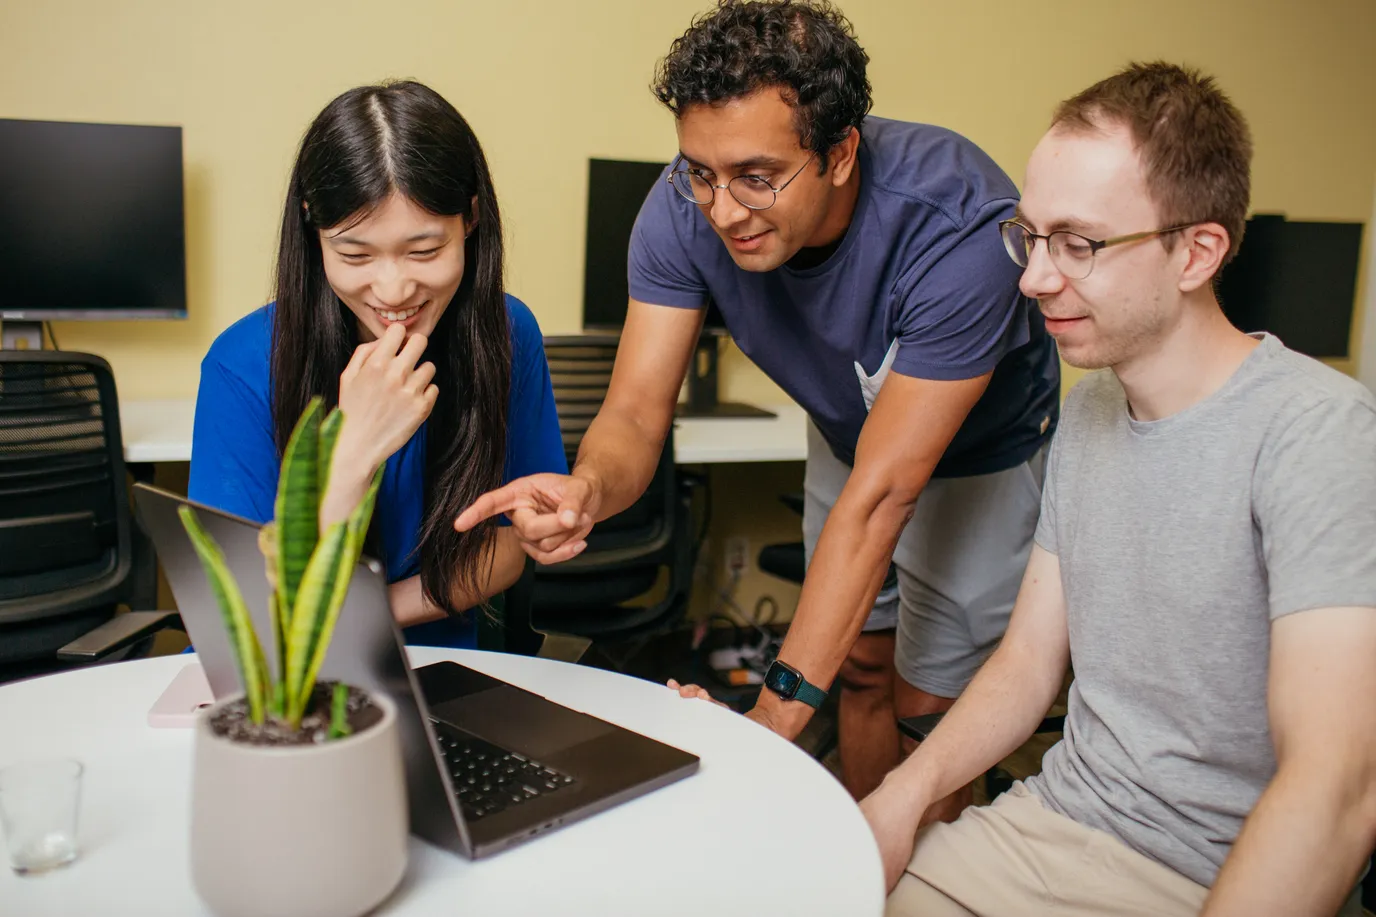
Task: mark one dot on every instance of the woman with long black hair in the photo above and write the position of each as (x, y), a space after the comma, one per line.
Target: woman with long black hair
(389, 303)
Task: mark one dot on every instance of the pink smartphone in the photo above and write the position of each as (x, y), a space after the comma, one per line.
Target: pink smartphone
(185, 697)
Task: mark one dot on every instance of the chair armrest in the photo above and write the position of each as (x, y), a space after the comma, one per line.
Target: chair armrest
(115, 634)
(562, 647)
(590, 562)
(919, 727)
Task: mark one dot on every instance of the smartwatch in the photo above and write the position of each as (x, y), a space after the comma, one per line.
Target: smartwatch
(789, 684)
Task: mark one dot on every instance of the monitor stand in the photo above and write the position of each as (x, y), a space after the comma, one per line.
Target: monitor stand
(702, 386)
(21, 336)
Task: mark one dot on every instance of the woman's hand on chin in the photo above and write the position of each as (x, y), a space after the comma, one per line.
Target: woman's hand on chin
(384, 397)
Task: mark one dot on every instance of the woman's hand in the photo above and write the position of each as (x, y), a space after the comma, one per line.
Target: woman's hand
(385, 397)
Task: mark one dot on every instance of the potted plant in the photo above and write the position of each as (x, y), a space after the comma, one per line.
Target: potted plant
(299, 795)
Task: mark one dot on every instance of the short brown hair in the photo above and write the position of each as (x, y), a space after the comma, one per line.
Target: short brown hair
(1195, 145)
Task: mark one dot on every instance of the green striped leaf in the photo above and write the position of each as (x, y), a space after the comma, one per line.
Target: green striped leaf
(280, 617)
(329, 433)
(279, 636)
(247, 650)
(296, 512)
(355, 529)
(313, 598)
(339, 712)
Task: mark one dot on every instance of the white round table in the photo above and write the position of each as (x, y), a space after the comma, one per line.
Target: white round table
(760, 830)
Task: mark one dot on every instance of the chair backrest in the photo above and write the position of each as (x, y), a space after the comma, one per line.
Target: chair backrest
(625, 552)
(581, 372)
(65, 542)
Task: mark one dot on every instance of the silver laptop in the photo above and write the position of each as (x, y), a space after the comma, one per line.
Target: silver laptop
(488, 765)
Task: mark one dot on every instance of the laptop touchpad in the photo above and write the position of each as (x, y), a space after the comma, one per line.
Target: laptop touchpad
(520, 721)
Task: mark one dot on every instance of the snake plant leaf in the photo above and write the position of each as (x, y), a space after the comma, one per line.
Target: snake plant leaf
(339, 712)
(329, 434)
(355, 529)
(280, 628)
(308, 617)
(267, 546)
(296, 511)
(247, 651)
(280, 617)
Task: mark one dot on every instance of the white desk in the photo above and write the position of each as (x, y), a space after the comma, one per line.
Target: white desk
(157, 431)
(761, 829)
(160, 431)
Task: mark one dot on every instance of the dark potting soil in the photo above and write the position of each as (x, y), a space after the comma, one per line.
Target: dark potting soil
(232, 721)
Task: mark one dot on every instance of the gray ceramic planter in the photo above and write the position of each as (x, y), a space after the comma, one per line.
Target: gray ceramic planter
(306, 831)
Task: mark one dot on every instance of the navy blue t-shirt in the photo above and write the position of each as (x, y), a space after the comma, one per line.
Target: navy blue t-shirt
(235, 465)
(920, 283)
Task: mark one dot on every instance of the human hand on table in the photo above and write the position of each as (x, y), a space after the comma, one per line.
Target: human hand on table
(894, 817)
(757, 714)
(694, 691)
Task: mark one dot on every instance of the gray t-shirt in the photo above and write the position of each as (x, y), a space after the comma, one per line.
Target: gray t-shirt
(1180, 541)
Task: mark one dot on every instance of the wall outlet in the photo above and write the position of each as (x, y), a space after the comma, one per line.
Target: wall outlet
(737, 555)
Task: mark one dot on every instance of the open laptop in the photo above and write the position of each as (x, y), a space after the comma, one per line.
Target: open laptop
(488, 765)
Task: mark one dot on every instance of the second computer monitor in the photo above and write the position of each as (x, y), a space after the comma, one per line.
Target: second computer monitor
(616, 190)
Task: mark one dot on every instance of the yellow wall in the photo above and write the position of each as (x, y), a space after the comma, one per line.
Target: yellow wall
(549, 84)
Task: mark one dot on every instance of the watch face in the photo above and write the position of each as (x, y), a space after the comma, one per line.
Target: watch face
(782, 681)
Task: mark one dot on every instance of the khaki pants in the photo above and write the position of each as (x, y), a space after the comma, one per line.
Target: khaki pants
(1017, 858)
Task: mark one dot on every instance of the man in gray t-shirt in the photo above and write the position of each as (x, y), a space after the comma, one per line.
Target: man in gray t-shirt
(1205, 560)
(1262, 504)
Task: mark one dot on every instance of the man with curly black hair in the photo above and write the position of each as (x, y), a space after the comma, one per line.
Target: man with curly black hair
(858, 262)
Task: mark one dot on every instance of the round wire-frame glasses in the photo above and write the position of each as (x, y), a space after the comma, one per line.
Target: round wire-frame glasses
(750, 191)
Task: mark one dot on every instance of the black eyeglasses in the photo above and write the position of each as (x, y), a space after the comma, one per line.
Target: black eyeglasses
(1071, 253)
(750, 191)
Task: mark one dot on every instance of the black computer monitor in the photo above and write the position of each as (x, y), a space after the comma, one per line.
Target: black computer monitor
(1297, 280)
(91, 222)
(616, 190)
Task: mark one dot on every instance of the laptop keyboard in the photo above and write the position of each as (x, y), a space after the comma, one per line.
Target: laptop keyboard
(489, 779)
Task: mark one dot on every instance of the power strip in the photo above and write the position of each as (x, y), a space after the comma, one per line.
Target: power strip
(743, 665)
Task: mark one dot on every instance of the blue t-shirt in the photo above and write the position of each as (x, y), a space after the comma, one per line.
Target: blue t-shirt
(920, 282)
(235, 465)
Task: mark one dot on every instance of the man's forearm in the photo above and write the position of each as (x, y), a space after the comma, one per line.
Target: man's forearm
(844, 577)
(995, 714)
(618, 456)
(1302, 848)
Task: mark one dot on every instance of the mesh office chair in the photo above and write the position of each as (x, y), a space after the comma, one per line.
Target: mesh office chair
(591, 597)
(65, 527)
